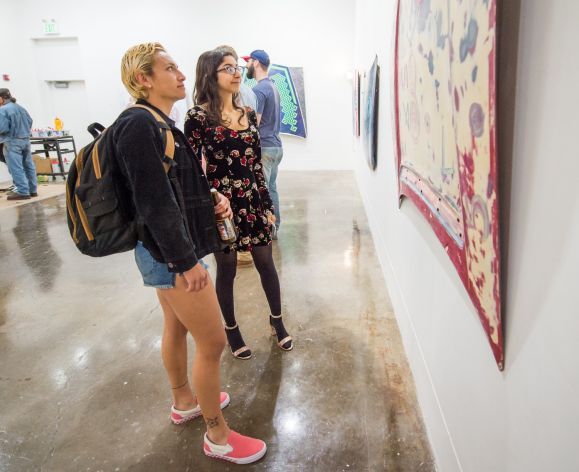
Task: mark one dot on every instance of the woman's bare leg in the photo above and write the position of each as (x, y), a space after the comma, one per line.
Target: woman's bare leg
(174, 354)
(199, 313)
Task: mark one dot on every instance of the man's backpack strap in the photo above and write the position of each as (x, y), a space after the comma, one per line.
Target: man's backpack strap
(167, 137)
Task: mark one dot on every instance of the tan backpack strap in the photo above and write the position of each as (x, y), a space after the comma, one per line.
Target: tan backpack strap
(166, 132)
(170, 145)
(96, 163)
(81, 212)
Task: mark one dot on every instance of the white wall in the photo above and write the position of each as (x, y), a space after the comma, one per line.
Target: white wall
(317, 35)
(526, 418)
(6, 64)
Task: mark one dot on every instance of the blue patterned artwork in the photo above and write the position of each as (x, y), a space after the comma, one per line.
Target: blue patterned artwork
(290, 84)
(371, 114)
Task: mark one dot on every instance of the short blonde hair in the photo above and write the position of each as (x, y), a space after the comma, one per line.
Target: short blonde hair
(138, 60)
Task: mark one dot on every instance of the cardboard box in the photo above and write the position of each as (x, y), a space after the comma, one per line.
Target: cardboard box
(43, 166)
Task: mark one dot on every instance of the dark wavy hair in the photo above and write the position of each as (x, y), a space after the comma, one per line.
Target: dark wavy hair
(206, 93)
(5, 94)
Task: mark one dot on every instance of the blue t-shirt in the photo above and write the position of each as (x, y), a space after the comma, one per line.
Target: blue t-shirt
(268, 107)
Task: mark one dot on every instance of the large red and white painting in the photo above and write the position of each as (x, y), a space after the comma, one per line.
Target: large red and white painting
(445, 93)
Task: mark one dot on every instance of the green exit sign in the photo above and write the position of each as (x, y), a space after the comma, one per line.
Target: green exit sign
(50, 26)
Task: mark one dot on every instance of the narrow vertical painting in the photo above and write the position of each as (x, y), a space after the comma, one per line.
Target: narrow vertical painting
(445, 93)
(372, 86)
(289, 82)
(356, 103)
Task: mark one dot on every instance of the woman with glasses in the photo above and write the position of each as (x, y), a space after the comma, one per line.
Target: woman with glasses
(227, 135)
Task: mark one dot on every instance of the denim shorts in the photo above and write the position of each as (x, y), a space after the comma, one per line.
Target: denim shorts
(155, 274)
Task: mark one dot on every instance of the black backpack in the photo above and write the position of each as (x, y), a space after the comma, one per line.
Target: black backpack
(100, 220)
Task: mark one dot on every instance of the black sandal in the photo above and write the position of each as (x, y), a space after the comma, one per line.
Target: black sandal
(284, 340)
(236, 343)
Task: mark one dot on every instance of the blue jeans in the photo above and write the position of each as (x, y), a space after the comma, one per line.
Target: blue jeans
(20, 165)
(271, 158)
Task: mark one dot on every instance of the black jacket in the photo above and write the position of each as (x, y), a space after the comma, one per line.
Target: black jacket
(169, 237)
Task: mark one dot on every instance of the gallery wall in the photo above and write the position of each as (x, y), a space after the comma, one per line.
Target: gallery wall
(525, 418)
(6, 63)
(317, 36)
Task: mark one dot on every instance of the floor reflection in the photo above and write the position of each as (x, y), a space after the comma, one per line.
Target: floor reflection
(5, 282)
(293, 244)
(33, 240)
(343, 399)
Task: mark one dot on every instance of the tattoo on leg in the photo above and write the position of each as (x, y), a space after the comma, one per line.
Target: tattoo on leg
(212, 422)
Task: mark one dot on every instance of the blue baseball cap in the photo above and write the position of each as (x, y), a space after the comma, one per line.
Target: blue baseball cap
(259, 55)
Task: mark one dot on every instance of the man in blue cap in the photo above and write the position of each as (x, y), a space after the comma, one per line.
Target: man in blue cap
(268, 118)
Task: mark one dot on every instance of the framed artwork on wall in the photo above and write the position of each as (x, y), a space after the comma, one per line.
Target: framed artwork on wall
(356, 103)
(372, 86)
(445, 94)
(290, 85)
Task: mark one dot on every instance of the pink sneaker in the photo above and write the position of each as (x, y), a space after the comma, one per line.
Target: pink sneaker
(180, 416)
(239, 449)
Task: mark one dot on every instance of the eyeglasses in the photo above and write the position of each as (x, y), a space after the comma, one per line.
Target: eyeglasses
(231, 70)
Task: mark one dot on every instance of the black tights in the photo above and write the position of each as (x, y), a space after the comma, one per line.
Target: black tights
(226, 270)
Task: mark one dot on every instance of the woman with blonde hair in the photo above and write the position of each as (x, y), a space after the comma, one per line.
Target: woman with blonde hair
(227, 134)
(176, 220)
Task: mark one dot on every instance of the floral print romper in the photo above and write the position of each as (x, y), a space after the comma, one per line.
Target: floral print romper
(234, 168)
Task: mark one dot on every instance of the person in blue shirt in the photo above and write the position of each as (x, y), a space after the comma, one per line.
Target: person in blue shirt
(269, 120)
(15, 124)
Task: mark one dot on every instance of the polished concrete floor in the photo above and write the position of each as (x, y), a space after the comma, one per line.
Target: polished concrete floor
(82, 387)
